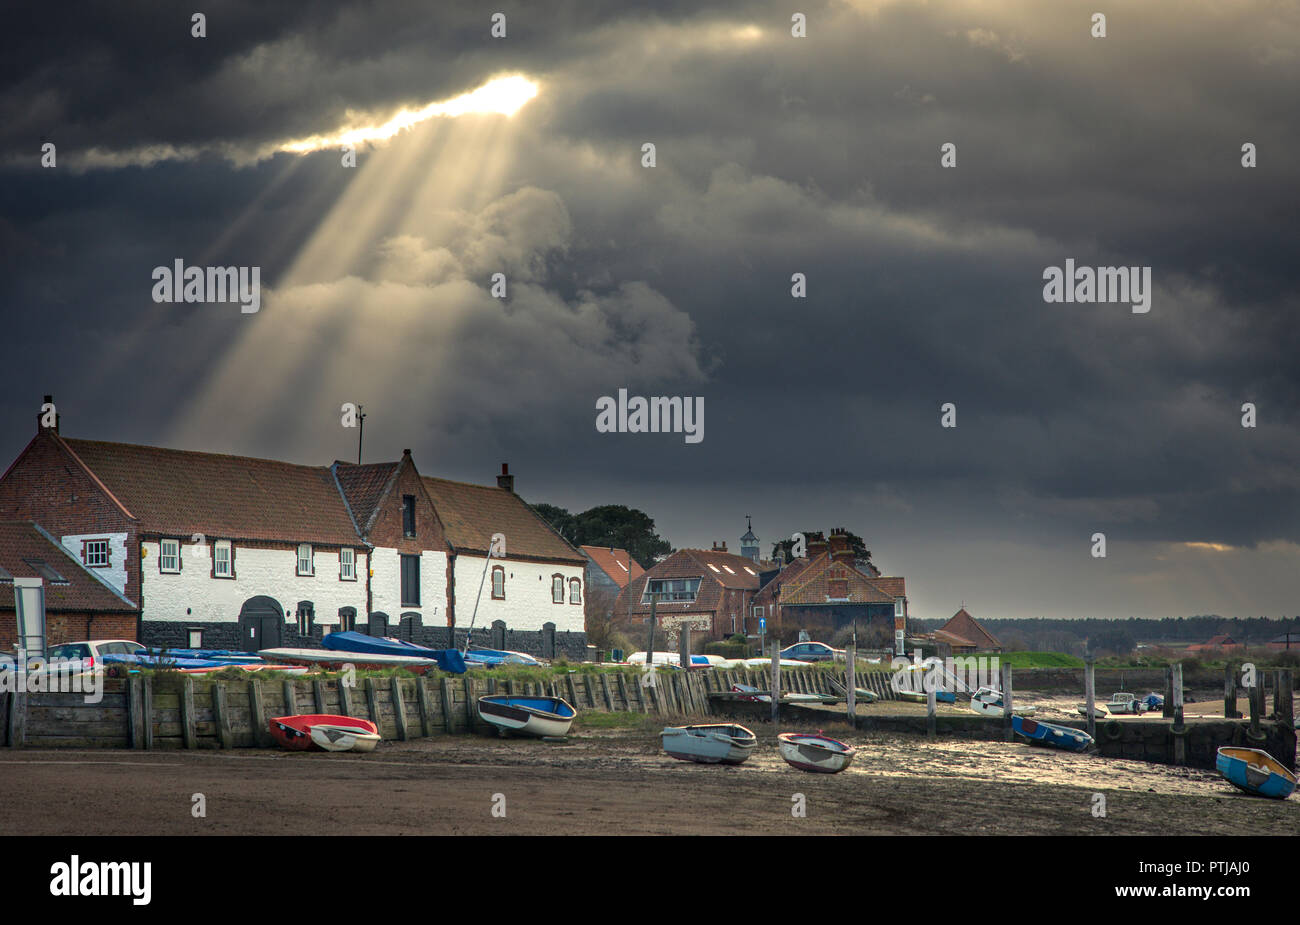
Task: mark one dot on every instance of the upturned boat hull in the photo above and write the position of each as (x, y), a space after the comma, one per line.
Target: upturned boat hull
(709, 743)
(1256, 772)
(817, 754)
(534, 716)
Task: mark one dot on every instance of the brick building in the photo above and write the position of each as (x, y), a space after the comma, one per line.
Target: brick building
(710, 590)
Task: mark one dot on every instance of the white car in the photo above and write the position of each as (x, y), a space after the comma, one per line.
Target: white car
(90, 652)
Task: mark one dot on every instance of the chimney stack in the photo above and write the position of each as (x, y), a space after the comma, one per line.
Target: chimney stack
(816, 545)
(717, 548)
(841, 551)
(40, 416)
(505, 479)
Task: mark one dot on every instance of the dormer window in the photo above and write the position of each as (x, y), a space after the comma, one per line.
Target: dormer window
(94, 553)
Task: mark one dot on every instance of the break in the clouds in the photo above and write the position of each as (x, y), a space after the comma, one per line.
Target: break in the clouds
(774, 156)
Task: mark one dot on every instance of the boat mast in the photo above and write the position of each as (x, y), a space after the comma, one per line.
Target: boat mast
(474, 615)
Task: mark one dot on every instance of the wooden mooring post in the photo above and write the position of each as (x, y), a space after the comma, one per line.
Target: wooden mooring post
(776, 680)
(1168, 710)
(931, 712)
(684, 646)
(1007, 732)
(1090, 693)
(850, 683)
(1179, 730)
(1285, 712)
(1230, 710)
(1256, 706)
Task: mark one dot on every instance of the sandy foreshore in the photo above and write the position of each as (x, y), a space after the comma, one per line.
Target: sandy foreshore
(619, 782)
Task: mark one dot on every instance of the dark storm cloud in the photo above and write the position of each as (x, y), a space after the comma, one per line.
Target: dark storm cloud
(775, 155)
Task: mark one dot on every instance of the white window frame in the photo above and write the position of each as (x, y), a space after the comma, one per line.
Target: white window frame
(347, 564)
(557, 584)
(175, 556)
(898, 607)
(216, 559)
(575, 591)
(311, 564)
(498, 570)
(95, 561)
(195, 638)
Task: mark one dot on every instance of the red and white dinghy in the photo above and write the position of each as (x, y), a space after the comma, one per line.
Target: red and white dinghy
(327, 732)
(817, 753)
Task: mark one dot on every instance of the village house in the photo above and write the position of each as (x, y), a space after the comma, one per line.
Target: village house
(79, 603)
(709, 590)
(607, 572)
(234, 552)
(828, 591)
(964, 635)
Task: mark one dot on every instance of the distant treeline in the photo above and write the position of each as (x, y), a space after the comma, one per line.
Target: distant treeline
(1123, 635)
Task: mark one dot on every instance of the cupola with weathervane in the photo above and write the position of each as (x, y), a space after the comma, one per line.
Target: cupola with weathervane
(749, 542)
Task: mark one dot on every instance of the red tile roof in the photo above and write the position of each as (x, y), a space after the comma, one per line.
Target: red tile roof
(84, 592)
(964, 625)
(814, 585)
(472, 513)
(180, 492)
(693, 563)
(618, 564)
(952, 638)
(364, 487)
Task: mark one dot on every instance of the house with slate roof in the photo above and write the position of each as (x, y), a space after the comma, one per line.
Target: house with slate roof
(234, 552)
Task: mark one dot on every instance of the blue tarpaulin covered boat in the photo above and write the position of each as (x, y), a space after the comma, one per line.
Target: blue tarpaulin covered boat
(1066, 737)
(1255, 771)
(348, 641)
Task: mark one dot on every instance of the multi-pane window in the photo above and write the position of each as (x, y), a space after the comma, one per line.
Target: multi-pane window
(304, 559)
(898, 607)
(671, 589)
(223, 565)
(170, 558)
(94, 553)
(408, 515)
(498, 583)
(575, 591)
(410, 581)
(348, 564)
(557, 589)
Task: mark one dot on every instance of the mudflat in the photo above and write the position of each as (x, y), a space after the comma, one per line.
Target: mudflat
(617, 781)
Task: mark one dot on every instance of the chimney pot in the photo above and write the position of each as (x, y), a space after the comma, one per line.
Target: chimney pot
(505, 479)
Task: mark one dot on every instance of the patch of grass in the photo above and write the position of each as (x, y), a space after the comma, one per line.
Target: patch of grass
(618, 720)
(1040, 660)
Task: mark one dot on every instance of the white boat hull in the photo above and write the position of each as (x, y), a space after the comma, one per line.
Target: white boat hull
(525, 720)
(343, 739)
(808, 754)
(709, 744)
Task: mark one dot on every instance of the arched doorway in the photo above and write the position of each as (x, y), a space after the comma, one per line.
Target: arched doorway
(261, 623)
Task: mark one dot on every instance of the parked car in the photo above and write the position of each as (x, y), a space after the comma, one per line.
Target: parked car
(91, 652)
(812, 652)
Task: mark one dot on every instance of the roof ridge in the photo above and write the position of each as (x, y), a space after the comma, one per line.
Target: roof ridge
(168, 449)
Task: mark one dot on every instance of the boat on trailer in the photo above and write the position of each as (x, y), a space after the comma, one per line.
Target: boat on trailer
(1255, 771)
(534, 716)
(328, 732)
(1066, 737)
(709, 743)
(818, 753)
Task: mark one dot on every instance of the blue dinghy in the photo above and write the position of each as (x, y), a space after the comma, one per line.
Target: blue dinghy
(1066, 737)
(537, 716)
(1255, 771)
(160, 661)
(349, 641)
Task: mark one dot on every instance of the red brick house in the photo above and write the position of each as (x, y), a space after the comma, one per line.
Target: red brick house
(709, 590)
(78, 603)
(967, 634)
(828, 591)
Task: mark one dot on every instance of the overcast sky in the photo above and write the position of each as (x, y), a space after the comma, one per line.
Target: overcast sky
(775, 155)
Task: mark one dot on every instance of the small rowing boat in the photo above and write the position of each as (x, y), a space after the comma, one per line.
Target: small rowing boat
(535, 716)
(327, 732)
(1098, 709)
(989, 702)
(1255, 771)
(817, 753)
(764, 697)
(1066, 737)
(709, 743)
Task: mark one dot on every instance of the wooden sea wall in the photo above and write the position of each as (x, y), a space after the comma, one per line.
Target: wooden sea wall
(185, 711)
